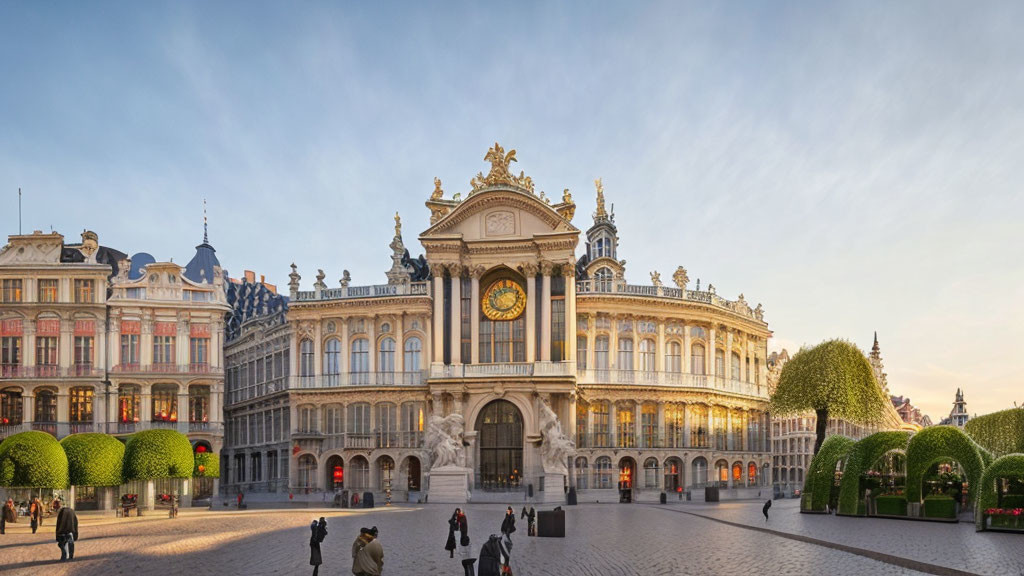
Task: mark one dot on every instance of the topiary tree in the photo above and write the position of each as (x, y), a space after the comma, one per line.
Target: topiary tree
(94, 459)
(999, 432)
(207, 465)
(861, 457)
(153, 454)
(1009, 466)
(833, 379)
(822, 472)
(937, 444)
(33, 459)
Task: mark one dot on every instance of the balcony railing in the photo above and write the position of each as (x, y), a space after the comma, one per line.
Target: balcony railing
(167, 369)
(355, 379)
(374, 291)
(596, 440)
(672, 379)
(618, 287)
(361, 441)
(50, 371)
(521, 369)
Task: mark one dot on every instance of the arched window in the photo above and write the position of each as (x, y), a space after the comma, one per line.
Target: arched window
(46, 406)
(581, 473)
(385, 472)
(699, 468)
(164, 400)
(648, 355)
(737, 473)
(307, 471)
(603, 280)
(719, 362)
(358, 470)
(752, 474)
(581, 352)
(333, 420)
(626, 426)
(582, 408)
(386, 358)
(649, 425)
(673, 475)
(735, 367)
(602, 433)
(198, 405)
(673, 357)
(387, 425)
(601, 353)
(306, 358)
(412, 424)
(675, 429)
(128, 402)
(413, 347)
(332, 362)
(697, 359)
(360, 361)
(307, 420)
(722, 473)
(651, 473)
(11, 407)
(625, 360)
(603, 472)
(359, 426)
(699, 432)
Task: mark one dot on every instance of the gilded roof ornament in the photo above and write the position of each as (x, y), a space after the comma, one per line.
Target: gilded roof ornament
(398, 225)
(499, 173)
(438, 192)
(601, 214)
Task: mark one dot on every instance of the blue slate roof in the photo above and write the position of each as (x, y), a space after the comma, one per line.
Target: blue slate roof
(200, 268)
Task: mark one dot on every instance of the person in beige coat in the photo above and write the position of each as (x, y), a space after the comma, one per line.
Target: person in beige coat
(367, 553)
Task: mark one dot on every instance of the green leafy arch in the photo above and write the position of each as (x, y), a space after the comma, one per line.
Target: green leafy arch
(861, 457)
(936, 444)
(821, 473)
(1009, 465)
(999, 432)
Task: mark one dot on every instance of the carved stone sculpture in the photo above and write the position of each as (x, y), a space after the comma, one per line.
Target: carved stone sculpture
(656, 279)
(444, 441)
(681, 278)
(555, 447)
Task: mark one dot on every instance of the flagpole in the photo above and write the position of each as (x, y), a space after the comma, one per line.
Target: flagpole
(19, 211)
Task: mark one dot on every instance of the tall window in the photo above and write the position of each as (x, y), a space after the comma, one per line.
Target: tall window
(359, 418)
(46, 353)
(675, 425)
(165, 403)
(11, 406)
(626, 426)
(80, 404)
(307, 419)
(603, 472)
(557, 318)
(128, 400)
(199, 352)
(648, 362)
(333, 420)
(387, 425)
(581, 473)
(673, 358)
(697, 359)
(386, 356)
(359, 362)
(649, 425)
(412, 423)
(83, 354)
(163, 350)
(332, 361)
(10, 355)
(734, 367)
(719, 362)
(129, 349)
(306, 358)
(83, 291)
(199, 404)
(582, 409)
(603, 280)
(413, 347)
(601, 353)
(10, 290)
(698, 426)
(46, 406)
(602, 433)
(47, 290)
(651, 473)
(625, 360)
(581, 352)
(719, 423)
(466, 319)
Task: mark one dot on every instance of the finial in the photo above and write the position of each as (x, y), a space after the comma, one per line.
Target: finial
(398, 224)
(601, 213)
(206, 239)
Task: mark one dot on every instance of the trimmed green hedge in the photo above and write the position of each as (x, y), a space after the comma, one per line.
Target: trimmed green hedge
(939, 507)
(33, 459)
(1011, 465)
(94, 459)
(210, 463)
(821, 473)
(153, 454)
(937, 444)
(999, 432)
(891, 505)
(860, 459)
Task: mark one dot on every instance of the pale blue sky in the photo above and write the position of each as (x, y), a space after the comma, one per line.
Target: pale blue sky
(854, 167)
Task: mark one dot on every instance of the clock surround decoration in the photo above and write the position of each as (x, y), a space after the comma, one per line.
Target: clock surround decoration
(503, 300)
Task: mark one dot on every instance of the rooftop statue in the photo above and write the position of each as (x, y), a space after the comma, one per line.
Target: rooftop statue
(438, 192)
(681, 278)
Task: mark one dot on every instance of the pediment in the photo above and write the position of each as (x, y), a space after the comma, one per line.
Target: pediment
(34, 249)
(500, 214)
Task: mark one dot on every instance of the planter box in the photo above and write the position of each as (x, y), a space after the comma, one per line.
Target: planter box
(939, 507)
(1003, 522)
(891, 506)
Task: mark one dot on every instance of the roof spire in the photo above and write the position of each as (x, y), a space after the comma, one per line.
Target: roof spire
(206, 239)
(601, 214)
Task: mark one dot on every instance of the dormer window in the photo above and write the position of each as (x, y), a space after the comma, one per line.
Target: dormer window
(603, 280)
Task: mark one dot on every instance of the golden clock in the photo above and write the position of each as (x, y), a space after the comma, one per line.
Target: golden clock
(504, 300)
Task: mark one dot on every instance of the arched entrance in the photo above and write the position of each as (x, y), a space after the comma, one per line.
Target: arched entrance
(674, 475)
(413, 479)
(627, 477)
(335, 470)
(500, 439)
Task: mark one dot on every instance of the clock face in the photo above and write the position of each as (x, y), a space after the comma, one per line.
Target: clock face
(504, 300)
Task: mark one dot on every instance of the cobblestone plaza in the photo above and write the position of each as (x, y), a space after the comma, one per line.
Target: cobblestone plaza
(647, 539)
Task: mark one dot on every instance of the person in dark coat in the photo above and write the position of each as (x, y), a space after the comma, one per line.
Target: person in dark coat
(66, 531)
(490, 557)
(9, 515)
(35, 514)
(508, 525)
(318, 533)
(764, 510)
(453, 525)
(531, 519)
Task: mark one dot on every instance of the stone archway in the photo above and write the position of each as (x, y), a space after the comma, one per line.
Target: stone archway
(499, 429)
(334, 470)
(627, 478)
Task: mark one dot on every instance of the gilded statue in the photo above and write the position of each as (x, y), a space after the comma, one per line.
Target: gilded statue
(601, 213)
(566, 196)
(681, 278)
(656, 279)
(499, 174)
(398, 224)
(438, 192)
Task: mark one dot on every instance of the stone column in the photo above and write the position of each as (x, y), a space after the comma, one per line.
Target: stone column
(318, 348)
(345, 352)
(545, 311)
(613, 345)
(730, 436)
(530, 272)
(293, 355)
(28, 350)
(686, 426)
(399, 348)
(659, 354)
(371, 337)
(456, 311)
(728, 359)
(474, 315)
(660, 430)
(28, 408)
(710, 431)
(591, 341)
(613, 424)
(744, 358)
(182, 408)
(65, 347)
(100, 353)
(687, 367)
(710, 369)
(438, 320)
(569, 271)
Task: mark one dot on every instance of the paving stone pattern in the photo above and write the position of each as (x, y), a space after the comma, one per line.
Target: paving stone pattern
(602, 539)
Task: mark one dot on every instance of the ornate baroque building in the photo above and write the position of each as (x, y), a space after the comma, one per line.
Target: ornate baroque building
(497, 327)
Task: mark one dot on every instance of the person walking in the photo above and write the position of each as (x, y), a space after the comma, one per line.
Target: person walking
(495, 555)
(67, 531)
(367, 553)
(531, 522)
(508, 525)
(9, 515)
(318, 533)
(767, 505)
(453, 526)
(35, 514)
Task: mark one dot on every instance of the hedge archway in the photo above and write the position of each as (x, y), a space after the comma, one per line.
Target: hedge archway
(33, 459)
(861, 457)
(1009, 465)
(822, 471)
(94, 459)
(153, 454)
(936, 444)
(210, 463)
(999, 432)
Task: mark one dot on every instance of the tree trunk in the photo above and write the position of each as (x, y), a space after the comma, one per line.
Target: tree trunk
(821, 428)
